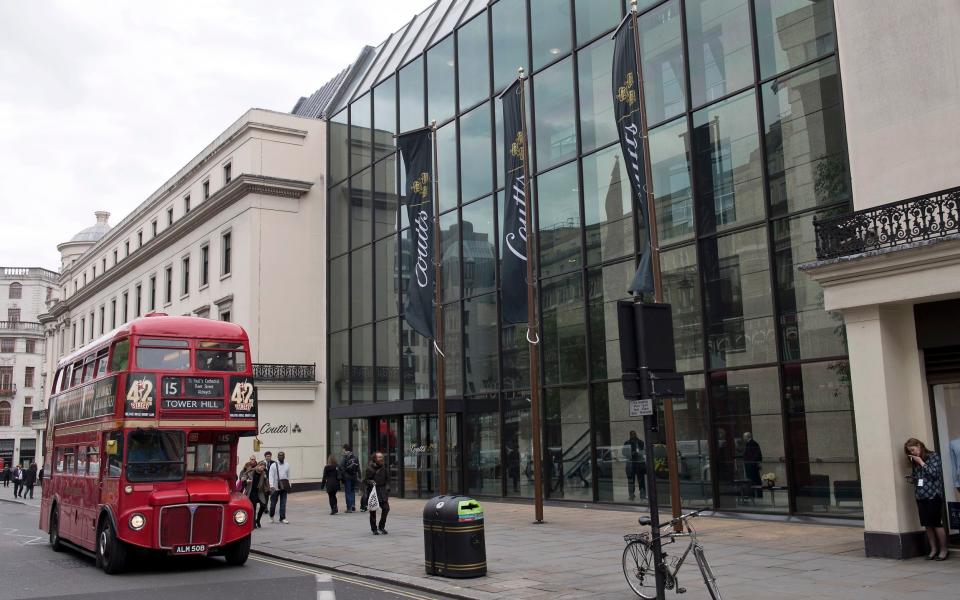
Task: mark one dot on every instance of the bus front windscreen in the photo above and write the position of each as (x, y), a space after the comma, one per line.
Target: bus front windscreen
(155, 455)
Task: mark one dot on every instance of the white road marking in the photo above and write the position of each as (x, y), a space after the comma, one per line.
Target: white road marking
(337, 577)
(326, 595)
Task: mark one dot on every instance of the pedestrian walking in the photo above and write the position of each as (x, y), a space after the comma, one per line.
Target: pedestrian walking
(350, 472)
(331, 482)
(279, 476)
(6, 476)
(376, 475)
(255, 487)
(29, 480)
(40, 477)
(926, 474)
(17, 481)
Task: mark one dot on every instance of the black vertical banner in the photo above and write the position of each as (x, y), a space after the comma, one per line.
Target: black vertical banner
(513, 270)
(626, 108)
(417, 152)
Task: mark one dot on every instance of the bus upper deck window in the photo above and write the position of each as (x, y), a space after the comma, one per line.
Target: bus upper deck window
(221, 356)
(163, 354)
(121, 356)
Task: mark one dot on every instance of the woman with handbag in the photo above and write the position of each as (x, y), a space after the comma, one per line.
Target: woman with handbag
(256, 487)
(926, 474)
(331, 482)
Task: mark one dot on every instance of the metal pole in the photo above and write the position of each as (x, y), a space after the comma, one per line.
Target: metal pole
(531, 317)
(670, 432)
(438, 319)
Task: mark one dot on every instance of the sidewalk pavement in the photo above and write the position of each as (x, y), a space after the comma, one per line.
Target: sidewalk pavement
(577, 554)
(6, 495)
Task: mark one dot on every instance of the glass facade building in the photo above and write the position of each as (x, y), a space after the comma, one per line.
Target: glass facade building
(747, 147)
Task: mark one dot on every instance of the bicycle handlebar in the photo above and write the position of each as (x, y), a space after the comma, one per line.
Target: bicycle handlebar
(682, 518)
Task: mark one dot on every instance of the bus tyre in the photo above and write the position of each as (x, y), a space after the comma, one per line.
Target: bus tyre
(237, 552)
(111, 552)
(55, 543)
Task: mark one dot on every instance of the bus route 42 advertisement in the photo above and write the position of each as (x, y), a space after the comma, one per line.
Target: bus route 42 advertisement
(243, 398)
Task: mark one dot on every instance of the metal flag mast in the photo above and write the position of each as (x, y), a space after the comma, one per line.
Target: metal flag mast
(438, 316)
(655, 264)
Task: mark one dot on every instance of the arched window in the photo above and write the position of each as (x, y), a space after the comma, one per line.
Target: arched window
(16, 290)
(4, 414)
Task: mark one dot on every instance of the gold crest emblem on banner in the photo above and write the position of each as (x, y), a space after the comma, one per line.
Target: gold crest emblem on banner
(518, 148)
(626, 93)
(421, 185)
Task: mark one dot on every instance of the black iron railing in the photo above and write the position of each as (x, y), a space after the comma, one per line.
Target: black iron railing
(8, 389)
(284, 372)
(906, 221)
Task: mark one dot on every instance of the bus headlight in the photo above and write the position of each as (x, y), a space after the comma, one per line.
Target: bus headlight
(240, 517)
(137, 521)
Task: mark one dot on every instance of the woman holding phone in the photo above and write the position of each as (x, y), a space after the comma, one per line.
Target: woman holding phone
(927, 476)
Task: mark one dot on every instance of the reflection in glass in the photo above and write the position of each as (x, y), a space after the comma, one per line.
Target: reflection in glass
(681, 290)
(718, 32)
(476, 161)
(515, 353)
(482, 436)
(339, 229)
(739, 309)
(416, 363)
(361, 365)
(452, 347)
(387, 281)
(693, 448)
(749, 440)
(474, 67)
(386, 202)
(670, 163)
(480, 344)
(595, 17)
(509, 22)
(559, 219)
(361, 270)
(384, 117)
(793, 32)
(727, 164)
(339, 299)
(450, 255)
(339, 146)
(564, 329)
(819, 404)
(340, 368)
(361, 208)
(440, 81)
(361, 141)
(607, 209)
(806, 146)
(518, 444)
(808, 331)
(387, 372)
(604, 287)
(555, 122)
(447, 166)
(568, 470)
(597, 123)
(411, 96)
(550, 27)
(661, 50)
(479, 254)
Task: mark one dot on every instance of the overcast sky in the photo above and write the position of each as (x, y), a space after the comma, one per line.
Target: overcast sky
(102, 101)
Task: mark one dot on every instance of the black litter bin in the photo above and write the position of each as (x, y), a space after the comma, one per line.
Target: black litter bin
(453, 537)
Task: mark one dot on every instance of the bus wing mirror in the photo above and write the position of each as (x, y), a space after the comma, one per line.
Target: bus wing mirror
(111, 447)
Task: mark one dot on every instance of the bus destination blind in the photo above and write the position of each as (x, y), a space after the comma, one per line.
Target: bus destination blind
(192, 393)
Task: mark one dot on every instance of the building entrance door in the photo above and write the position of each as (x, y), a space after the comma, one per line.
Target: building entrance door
(385, 438)
(421, 455)
(946, 400)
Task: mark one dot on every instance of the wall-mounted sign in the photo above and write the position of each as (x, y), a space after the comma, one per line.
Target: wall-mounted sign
(280, 428)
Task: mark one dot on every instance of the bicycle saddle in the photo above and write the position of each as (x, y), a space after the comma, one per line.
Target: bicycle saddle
(644, 520)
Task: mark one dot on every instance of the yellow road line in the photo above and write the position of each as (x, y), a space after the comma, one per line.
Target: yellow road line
(339, 577)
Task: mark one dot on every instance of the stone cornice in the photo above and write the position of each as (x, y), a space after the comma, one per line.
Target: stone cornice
(235, 190)
(910, 258)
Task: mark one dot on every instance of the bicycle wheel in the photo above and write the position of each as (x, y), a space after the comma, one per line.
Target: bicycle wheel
(638, 568)
(709, 579)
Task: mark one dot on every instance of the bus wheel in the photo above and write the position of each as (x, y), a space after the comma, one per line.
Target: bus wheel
(111, 552)
(237, 552)
(55, 544)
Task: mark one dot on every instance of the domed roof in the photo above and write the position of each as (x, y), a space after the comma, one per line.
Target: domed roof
(94, 232)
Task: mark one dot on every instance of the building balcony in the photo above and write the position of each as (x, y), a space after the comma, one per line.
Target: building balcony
(8, 390)
(900, 223)
(21, 326)
(28, 273)
(285, 372)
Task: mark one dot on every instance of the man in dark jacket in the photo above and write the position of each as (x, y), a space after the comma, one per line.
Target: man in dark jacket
(30, 479)
(17, 481)
(6, 476)
(376, 474)
(350, 471)
(633, 452)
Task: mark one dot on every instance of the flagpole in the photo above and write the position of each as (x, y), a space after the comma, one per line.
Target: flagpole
(438, 316)
(671, 435)
(532, 318)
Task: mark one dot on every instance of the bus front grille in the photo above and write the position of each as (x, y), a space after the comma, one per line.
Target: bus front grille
(190, 524)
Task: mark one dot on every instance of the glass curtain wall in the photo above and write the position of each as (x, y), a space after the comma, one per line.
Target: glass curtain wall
(747, 146)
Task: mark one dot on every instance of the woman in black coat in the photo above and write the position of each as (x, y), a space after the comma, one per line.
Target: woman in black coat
(331, 482)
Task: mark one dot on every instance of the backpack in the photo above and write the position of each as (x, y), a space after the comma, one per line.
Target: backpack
(352, 466)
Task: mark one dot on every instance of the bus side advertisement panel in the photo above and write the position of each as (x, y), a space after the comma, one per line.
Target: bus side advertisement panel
(243, 397)
(141, 396)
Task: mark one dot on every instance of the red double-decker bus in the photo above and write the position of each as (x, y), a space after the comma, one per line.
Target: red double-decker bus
(142, 442)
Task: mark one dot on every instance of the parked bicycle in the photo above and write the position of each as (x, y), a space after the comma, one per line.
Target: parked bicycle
(638, 562)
